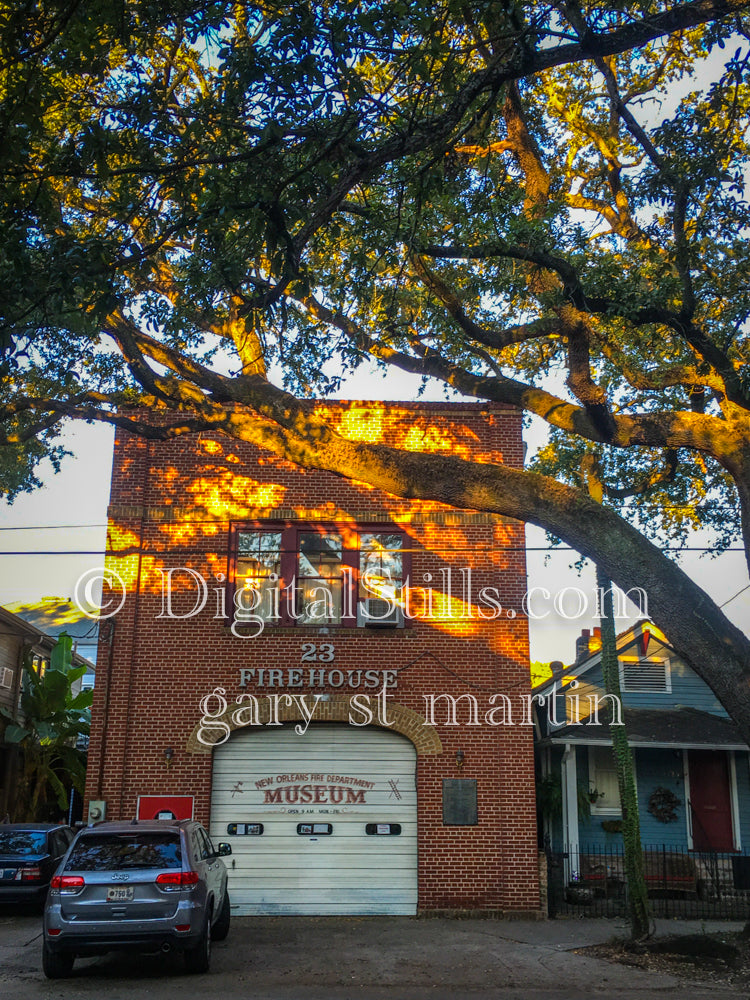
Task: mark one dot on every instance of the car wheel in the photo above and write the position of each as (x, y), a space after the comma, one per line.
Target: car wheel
(221, 927)
(56, 964)
(198, 958)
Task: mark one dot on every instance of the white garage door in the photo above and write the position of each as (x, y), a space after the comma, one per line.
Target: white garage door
(320, 823)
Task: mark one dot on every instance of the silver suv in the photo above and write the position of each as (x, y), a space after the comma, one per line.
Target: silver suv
(145, 886)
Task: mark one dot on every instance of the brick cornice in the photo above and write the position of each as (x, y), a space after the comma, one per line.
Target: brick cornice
(154, 512)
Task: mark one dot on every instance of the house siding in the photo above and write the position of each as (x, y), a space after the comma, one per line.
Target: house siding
(688, 689)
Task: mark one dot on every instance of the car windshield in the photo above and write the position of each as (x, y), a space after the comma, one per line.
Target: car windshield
(23, 842)
(112, 851)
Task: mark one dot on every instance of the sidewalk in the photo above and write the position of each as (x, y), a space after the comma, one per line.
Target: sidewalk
(366, 958)
(565, 933)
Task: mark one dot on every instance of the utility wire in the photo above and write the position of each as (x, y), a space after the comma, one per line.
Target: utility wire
(132, 550)
(729, 600)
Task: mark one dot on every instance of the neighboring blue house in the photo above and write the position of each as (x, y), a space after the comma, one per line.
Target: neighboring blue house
(692, 767)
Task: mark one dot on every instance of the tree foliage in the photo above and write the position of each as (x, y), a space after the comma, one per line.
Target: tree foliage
(541, 204)
(46, 731)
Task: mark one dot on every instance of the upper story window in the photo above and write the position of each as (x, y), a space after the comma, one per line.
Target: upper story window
(645, 676)
(317, 575)
(39, 664)
(320, 578)
(257, 569)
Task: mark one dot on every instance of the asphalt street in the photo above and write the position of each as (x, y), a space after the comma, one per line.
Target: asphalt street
(361, 958)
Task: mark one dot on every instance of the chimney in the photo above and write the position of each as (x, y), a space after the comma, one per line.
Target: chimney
(557, 667)
(582, 645)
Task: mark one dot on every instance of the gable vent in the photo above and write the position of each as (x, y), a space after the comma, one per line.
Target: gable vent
(645, 675)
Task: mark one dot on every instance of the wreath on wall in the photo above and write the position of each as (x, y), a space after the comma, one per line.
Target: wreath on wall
(663, 804)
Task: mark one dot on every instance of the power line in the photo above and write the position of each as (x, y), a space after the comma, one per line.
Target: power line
(51, 527)
(729, 600)
(134, 550)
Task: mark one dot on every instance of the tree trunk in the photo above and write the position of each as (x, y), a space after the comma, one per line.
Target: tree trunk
(638, 906)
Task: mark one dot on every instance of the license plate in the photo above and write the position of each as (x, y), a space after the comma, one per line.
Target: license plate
(8, 873)
(119, 893)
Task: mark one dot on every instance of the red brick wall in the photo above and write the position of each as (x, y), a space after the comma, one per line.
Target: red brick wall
(172, 505)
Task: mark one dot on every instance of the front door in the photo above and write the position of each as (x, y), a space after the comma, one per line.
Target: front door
(710, 800)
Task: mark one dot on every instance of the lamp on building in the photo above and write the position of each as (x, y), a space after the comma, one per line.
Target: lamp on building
(169, 756)
(460, 755)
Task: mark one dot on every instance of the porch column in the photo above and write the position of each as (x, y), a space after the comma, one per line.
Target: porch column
(570, 797)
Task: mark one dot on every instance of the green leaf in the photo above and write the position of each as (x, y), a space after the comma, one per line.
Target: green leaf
(61, 656)
(16, 734)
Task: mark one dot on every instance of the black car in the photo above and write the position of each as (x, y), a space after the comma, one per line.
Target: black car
(29, 855)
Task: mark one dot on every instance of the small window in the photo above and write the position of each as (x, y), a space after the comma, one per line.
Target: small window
(314, 829)
(6, 677)
(383, 829)
(245, 829)
(604, 790)
(646, 676)
(40, 665)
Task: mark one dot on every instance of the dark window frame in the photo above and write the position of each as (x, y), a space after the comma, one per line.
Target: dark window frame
(290, 547)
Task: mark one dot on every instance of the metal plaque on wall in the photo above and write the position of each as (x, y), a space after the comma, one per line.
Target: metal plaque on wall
(459, 801)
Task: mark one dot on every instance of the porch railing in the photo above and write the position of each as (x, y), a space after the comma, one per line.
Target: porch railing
(590, 881)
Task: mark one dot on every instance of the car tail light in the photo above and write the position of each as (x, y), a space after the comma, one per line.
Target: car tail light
(31, 874)
(178, 879)
(67, 882)
(182, 927)
(53, 931)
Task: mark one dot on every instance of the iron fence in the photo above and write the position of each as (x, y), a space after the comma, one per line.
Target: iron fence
(590, 881)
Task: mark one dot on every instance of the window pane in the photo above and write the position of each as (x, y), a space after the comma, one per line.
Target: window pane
(261, 550)
(319, 602)
(603, 779)
(320, 581)
(381, 563)
(259, 558)
(320, 555)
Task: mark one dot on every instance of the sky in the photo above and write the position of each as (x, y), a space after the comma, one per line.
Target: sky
(59, 531)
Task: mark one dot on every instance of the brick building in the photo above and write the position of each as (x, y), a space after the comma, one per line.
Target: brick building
(359, 728)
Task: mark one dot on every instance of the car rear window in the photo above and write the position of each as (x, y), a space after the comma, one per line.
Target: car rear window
(109, 851)
(23, 842)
